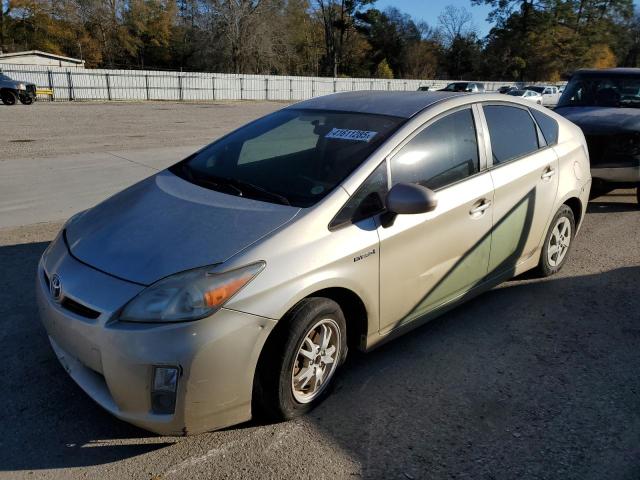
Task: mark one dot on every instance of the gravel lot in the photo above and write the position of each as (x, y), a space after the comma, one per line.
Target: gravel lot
(45, 129)
(537, 379)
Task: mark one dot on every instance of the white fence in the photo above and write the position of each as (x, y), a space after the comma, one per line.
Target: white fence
(99, 84)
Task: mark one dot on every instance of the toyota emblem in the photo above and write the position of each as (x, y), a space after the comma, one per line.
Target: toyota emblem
(55, 287)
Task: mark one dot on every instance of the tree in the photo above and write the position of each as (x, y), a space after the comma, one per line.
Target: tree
(383, 70)
(454, 23)
(338, 21)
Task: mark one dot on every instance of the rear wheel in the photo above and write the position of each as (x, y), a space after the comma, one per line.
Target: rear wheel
(299, 363)
(8, 97)
(557, 242)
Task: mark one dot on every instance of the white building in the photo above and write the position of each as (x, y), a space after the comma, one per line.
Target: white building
(36, 57)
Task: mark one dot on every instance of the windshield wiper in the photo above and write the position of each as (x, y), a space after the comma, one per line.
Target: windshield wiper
(256, 189)
(231, 185)
(217, 183)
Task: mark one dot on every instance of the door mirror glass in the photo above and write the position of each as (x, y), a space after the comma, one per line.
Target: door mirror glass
(410, 198)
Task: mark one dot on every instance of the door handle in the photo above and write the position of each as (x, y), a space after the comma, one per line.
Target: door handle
(480, 207)
(548, 173)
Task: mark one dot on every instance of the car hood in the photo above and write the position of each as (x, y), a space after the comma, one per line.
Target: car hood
(164, 225)
(602, 120)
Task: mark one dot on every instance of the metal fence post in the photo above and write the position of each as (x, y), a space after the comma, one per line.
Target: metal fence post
(106, 76)
(213, 86)
(180, 88)
(70, 83)
(335, 85)
(266, 88)
(405, 86)
(291, 89)
(353, 85)
(370, 84)
(50, 78)
(388, 85)
(241, 88)
(146, 86)
(313, 88)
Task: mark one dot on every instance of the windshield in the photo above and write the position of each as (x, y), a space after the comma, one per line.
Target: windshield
(535, 89)
(455, 87)
(602, 91)
(293, 157)
(515, 93)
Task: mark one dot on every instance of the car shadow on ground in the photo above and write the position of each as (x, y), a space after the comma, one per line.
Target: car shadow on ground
(611, 207)
(530, 378)
(48, 421)
(535, 379)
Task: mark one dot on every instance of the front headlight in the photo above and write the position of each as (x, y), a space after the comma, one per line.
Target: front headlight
(22, 86)
(188, 295)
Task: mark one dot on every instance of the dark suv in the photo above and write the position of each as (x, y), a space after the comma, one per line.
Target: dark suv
(474, 87)
(605, 104)
(12, 90)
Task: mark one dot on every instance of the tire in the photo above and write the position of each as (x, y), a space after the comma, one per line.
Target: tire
(26, 99)
(276, 397)
(8, 97)
(561, 231)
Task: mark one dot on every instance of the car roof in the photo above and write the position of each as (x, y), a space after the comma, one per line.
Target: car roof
(608, 71)
(397, 104)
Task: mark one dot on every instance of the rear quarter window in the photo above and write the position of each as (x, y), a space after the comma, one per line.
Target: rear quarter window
(548, 126)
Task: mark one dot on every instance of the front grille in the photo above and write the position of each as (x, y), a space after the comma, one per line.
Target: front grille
(613, 149)
(72, 305)
(79, 309)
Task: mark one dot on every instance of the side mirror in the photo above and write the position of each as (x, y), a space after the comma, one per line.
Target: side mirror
(408, 199)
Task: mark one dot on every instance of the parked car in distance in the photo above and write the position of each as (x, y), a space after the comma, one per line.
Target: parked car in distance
(606, 105)
(473, 87)
(232, 283)
(423, 88)
(12, 91)
(507, 88)
(527, 95)
(550, 94)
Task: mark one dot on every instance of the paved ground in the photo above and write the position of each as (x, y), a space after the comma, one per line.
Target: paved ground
(59, 158)
(533, 380)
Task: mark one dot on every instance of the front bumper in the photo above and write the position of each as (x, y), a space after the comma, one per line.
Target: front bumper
(113, 361)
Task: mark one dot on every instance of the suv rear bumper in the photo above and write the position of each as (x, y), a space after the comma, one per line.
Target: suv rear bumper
(617, 174)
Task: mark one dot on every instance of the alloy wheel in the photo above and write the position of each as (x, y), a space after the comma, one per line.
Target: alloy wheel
(316, 360)
(559, 242)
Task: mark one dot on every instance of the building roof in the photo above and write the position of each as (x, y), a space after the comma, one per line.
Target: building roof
(398, 104)
(41, 54)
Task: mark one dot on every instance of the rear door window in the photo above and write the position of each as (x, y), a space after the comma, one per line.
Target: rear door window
(512, 132)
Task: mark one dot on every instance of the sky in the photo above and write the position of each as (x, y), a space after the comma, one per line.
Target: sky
(428, 10)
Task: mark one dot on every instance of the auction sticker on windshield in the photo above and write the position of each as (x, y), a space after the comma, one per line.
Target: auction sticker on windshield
(345, 134)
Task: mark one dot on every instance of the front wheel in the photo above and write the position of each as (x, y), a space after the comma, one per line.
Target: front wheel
(26, 99)
(300, 361)
(8, 97)
(557, 242)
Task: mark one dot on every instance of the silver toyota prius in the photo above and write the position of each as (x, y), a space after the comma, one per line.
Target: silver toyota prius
(233, 283)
